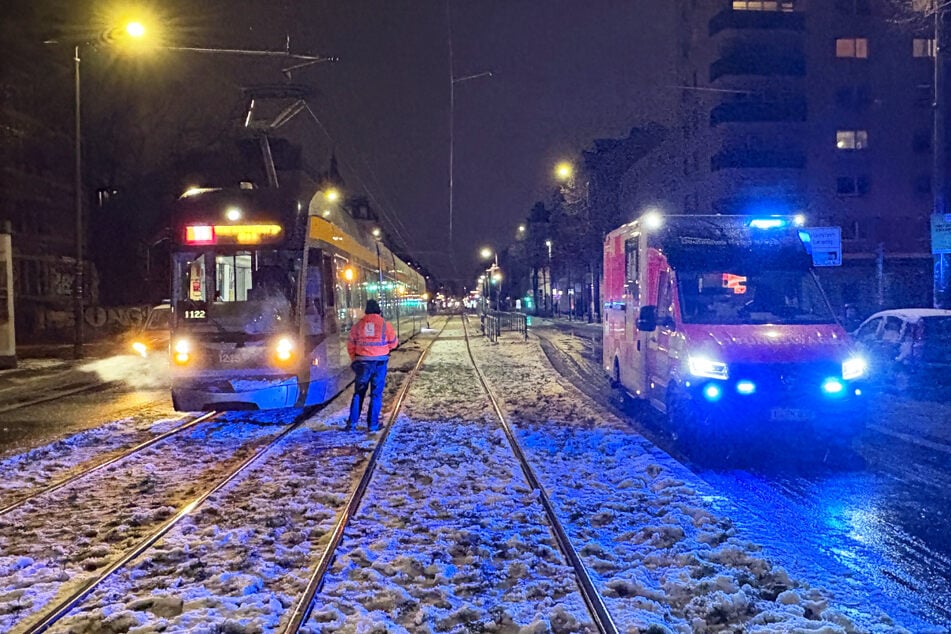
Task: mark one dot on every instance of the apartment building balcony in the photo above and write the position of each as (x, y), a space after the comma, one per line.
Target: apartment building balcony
(758, 65)
(728, 19)
(758, 112)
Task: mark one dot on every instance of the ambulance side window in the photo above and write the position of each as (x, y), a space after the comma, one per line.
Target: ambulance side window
(632, 267)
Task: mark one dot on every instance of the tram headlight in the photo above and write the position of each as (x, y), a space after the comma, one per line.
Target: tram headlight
(182, 351)
(284, 349)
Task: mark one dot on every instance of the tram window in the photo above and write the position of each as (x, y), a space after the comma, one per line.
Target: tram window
(232, 277)
(196, 279)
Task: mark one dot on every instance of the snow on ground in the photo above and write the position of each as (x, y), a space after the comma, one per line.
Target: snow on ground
(449, 537)
(661, 551)
(49, 545)
(58, 460)
(239, 562)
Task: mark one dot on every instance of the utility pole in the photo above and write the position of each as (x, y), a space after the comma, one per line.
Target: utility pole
(942, 259)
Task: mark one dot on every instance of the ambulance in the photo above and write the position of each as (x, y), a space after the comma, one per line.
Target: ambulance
(720, 323)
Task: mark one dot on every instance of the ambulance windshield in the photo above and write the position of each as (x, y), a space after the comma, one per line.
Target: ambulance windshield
(752, 296)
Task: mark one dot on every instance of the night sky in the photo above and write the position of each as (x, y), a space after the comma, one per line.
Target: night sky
(564, 73)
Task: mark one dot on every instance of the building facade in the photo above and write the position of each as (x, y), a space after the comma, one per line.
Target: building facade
(821, 107)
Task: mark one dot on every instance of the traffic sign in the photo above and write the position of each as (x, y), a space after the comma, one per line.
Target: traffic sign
(941, 233)
(825, 245)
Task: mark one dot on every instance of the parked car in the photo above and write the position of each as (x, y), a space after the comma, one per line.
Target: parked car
(908, 348)
(153, 337)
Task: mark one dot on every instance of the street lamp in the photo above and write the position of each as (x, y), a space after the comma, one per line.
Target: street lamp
(493, 275)
(135, 30)
(564, 171)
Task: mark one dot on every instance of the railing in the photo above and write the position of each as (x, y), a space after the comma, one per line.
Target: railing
(495, 323)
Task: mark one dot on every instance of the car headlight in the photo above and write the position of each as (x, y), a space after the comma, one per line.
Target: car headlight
(140, 348)
(702, 366)
(854, 368)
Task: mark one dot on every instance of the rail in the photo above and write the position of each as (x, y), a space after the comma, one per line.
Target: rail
(111, 461)
(495, 323)
(48, 618)
(592, 598)
(302, 609)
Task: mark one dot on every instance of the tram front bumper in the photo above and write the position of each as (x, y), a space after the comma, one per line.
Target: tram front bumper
(248, 392)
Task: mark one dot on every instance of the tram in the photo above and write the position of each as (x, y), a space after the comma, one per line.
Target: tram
(265, 288)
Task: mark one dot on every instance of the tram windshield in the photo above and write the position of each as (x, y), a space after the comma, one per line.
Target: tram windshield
(235, 291)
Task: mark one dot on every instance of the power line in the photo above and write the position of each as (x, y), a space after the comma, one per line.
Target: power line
(369, 193)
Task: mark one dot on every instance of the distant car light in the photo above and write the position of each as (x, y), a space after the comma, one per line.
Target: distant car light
(702, 366)
(854, 368)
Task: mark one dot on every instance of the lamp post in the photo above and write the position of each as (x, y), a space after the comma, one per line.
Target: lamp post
(133, 30)
(551, 287)
(493, 276)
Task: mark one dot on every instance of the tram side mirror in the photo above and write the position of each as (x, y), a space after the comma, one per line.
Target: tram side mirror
(647, 319)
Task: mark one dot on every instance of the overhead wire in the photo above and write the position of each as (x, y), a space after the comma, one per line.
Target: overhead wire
(387, 215)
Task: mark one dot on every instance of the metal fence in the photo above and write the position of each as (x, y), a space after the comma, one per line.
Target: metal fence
(495, 323)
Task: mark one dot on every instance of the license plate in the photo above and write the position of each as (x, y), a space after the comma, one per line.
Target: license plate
(790, 414)
(228, 357)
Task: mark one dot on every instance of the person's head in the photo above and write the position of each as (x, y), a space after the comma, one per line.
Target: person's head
(373, 308)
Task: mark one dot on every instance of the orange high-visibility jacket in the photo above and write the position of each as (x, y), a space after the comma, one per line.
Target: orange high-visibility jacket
(371, 339)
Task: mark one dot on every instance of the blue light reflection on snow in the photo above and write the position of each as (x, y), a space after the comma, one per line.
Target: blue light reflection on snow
(837, 532)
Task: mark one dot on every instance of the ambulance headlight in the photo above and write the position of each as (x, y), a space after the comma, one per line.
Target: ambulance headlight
(854, 368)
(702, 366)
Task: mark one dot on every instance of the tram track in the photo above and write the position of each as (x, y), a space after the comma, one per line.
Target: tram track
(65, 537)
(52, 617)
(592, 598)
(60, 393)
(63, 607)
(600, 616)
(98, 467)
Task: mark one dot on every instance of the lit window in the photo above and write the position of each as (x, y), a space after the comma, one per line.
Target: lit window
(763, 5)
(855, 47)
(851, 139)
(922, 47)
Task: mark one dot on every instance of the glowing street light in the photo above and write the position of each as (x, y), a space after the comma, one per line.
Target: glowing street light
(332, 194)
(135, 30)
(564, 171)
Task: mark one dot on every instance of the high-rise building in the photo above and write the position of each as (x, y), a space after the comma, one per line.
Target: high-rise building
(821, 107)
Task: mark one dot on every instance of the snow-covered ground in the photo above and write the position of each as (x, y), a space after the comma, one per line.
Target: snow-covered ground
(449, 538)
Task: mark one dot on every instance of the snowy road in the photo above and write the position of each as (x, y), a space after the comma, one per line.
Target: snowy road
(879, 529)
(449, 537)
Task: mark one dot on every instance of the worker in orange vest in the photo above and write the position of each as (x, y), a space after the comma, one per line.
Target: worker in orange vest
(369, 345)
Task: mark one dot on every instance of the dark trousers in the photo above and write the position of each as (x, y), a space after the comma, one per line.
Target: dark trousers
(368, 374)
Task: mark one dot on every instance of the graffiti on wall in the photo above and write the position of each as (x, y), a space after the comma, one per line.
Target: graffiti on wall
(97, 320)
